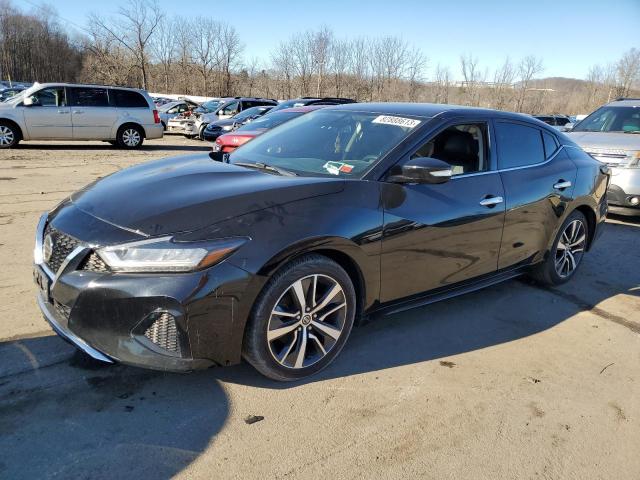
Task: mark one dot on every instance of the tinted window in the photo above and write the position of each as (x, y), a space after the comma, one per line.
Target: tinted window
(50, 97)
(89, 97)
(128, 99)
(562, 121)
(230, 109)
(518, 145)
(463, 147)
(611, 119)
(550, 144)
(547, 120)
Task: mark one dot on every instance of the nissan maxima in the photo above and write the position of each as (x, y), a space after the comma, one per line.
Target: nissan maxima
(273, 255)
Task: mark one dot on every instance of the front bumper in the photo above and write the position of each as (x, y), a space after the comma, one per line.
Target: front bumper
(624, 191)
(173, 322)
(211, 135)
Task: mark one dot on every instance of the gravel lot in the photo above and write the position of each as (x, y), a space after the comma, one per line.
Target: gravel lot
(515, 381)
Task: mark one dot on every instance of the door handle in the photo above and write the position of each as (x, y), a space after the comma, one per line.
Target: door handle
(491, 201)
(78, 112)
(562, 184)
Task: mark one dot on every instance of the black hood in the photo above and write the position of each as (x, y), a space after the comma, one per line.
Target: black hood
(224, 123)
(191, 192)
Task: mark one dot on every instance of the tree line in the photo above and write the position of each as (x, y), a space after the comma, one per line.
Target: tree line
(141, 46)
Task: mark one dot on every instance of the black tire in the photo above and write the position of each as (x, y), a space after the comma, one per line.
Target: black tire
(256, 347)
(164, 126)
(201, 132)
(546, 272)
(130, 137)
(9, 135)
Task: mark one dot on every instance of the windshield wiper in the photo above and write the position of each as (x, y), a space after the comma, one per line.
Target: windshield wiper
(267, 168)
(631, 131)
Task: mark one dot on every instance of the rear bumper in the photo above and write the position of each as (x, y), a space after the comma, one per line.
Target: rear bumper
(155, 130)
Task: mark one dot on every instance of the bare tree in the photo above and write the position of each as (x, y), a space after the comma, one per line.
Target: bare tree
(164, 48)
(206, 45)
(133, 28)
(628, 72)
(473, 79)
(340, 60)
(503, 85)
(416, 65)
(320, 43)
(528, 68)
(229, 56)
(442, 84)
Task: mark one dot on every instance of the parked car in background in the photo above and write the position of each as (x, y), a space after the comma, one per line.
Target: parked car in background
(9, 92)
(193, 126)
(174, 108)
(220, 127)
(611, 134)
(159, 101)
(352, 210)
(228, 142)
(301, 102)
(59, 111)
(556, 121)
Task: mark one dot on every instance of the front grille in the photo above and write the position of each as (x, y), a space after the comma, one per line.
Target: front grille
(163, 332)
(62, 246)
(62, 310)
(93, 263)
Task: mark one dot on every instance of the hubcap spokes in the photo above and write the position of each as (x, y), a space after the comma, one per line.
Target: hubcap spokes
(6, 136)
(307, 321)
(570, 248)
(131, 138)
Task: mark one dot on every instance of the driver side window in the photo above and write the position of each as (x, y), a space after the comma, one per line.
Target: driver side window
(50, 97)
(230, 109)
(463, 146)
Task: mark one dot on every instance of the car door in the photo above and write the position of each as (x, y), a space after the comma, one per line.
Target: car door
(538, 178)
(92, 115)
(49, 116)
(438, 235)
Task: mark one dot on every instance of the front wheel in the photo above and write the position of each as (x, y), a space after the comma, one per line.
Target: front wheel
(301, 320)
(9, 135)
(567, 252)
(130, 137)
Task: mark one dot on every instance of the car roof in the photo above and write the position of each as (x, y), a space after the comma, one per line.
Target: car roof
(429, 110)
(85, 85)
(628, 102)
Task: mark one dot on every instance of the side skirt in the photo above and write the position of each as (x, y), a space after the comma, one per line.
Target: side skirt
(448, 292)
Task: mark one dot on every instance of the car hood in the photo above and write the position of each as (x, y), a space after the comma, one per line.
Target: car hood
(191, 192)
(223, 122)
(606, 140)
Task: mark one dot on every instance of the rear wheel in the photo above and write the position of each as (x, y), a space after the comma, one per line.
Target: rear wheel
(9, 135)
(130, 136)
(567, 252)
(201, 132)
(301, 320)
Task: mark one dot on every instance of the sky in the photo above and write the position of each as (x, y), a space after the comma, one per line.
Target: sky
(569, 35)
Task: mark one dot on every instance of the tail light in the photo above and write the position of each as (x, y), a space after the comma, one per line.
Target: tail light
(156, 116)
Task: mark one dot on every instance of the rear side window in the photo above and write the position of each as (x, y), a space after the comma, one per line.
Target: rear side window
(550, 144)
(561, 121)
(128, 99)
(518, 145)
(89, 97)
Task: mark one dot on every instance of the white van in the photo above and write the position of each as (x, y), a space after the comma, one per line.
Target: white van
(60, 111)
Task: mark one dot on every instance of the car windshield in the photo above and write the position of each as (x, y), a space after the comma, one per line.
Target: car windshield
(269, 121)
(210, 106)
(249, 112)
(611, 119)
(289, 104)
(167, 106)
(328, 142)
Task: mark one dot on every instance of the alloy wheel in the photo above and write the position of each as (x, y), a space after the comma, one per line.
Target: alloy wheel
(570, 248)
(307, 321)
(131, 137)
(6, 135)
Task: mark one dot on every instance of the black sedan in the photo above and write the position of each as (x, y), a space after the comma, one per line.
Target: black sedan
(215, 129)
(274, 255)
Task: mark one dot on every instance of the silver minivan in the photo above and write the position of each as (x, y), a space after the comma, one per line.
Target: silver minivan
(611, 134)
(59, 111)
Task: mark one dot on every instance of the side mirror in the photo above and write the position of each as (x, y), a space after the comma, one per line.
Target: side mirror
(29, 101)
(421, 170)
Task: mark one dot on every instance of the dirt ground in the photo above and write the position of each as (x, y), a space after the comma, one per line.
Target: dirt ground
(515, 381)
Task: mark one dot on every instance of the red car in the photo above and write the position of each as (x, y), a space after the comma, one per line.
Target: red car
(228, 142)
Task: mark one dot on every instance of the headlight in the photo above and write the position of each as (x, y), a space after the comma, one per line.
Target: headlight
(168, 255)
(227, 128)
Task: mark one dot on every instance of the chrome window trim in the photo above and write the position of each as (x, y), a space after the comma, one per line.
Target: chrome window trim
(500, 170)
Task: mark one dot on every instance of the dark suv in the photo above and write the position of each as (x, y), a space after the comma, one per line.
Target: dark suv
(304, 101)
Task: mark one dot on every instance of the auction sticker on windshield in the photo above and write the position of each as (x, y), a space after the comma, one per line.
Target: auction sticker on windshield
(398, 121)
